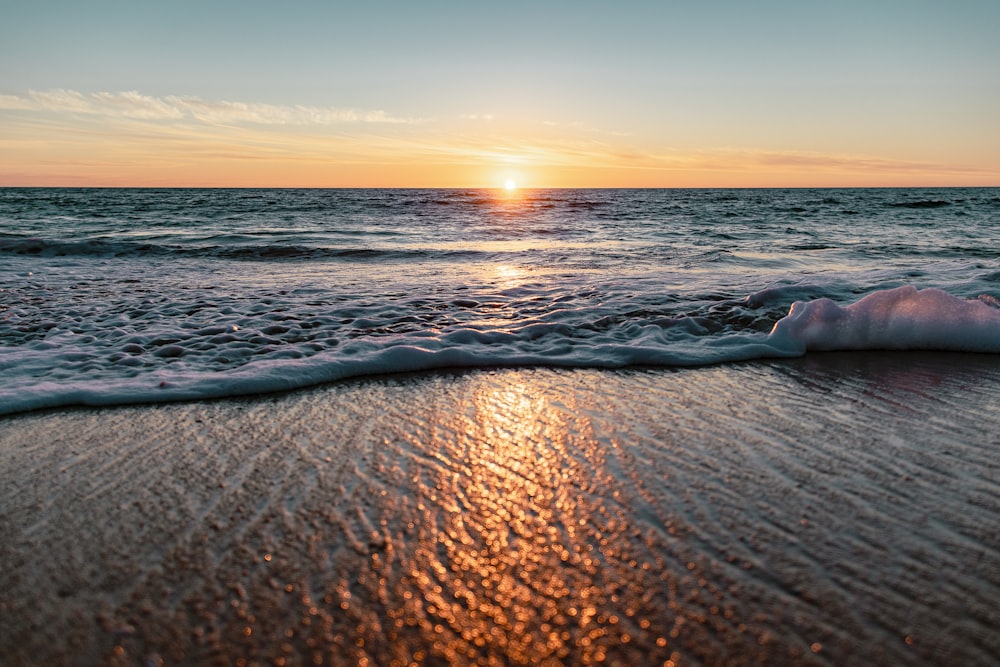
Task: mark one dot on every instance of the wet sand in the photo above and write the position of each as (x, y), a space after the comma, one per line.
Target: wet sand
(835, 509)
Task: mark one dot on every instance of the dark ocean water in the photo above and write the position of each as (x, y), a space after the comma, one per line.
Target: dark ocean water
(112, 296)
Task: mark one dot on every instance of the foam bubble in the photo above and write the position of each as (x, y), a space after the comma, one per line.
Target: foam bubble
(904, 318)
(92, 364)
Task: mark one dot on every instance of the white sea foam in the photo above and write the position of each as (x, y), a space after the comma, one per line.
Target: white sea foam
(903, 318)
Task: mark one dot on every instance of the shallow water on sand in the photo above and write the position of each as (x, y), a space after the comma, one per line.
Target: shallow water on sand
(827, 510)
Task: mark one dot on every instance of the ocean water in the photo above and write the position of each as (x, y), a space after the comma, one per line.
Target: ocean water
(116, 296)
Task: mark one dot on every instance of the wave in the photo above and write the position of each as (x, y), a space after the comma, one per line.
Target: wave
(899, 319)
(223, 361)
(929, 203)
(103, 248)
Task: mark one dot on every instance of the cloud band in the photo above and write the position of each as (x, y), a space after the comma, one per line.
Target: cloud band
(132, 104)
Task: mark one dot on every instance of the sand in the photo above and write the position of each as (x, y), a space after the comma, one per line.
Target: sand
(835, 509)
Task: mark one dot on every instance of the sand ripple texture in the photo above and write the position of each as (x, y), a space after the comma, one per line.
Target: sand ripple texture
(836, 509)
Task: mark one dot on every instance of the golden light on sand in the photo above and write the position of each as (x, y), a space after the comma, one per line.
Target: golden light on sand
(490, 569)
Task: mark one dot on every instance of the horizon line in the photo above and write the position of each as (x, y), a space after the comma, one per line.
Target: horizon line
(497, 188)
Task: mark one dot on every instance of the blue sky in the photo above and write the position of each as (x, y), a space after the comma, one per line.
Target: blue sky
(554, 93)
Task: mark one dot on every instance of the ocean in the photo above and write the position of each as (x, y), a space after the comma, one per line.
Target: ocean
(733, 493)
(127, 296)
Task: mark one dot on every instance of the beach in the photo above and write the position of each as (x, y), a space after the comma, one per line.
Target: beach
(832, 509)
(642, 334)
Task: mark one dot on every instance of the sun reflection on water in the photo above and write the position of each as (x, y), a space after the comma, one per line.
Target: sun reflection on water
(508, 276)
(513, 558)
(489, 518)
(510, 195)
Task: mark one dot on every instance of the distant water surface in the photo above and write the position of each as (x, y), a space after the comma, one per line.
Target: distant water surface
(114, 296)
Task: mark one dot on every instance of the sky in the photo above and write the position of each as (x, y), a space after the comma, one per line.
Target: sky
(345, 93)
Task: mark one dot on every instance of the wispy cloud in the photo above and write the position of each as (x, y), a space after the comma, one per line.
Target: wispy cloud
(586, 151)
(71, 137)
(135, 105)
(825, 162)
(581, 126)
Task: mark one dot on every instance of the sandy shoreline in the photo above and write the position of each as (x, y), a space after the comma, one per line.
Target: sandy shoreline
(832, 509)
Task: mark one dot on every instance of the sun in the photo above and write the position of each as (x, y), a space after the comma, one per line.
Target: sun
(510, 185)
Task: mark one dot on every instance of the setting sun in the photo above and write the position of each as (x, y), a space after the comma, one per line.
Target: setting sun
(70, 116)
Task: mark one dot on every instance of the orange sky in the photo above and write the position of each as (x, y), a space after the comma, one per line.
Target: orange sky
(450, 95)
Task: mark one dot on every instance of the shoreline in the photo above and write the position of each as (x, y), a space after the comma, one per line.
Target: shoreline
(816, 510)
